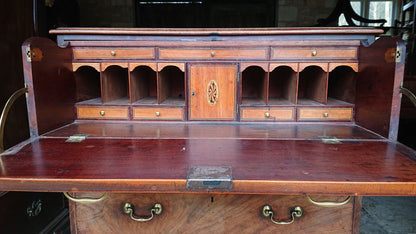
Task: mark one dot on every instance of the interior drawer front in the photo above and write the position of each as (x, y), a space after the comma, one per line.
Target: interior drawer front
(280, 114)
(209, 213)
(158, 113)
(314, 53)
(324, 114)
(215, 53)
(115, 112)
(114, 53)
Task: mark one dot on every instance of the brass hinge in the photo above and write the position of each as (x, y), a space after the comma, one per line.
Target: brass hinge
(34, 54)
(77, 138)
(399, 54)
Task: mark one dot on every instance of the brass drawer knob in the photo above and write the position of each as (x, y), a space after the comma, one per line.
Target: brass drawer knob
(326, 114)
(113, 53)
(314, 53)
(102, 113)
(212, 53)
(267, 114)
(128, 209)
(157, 113)
(295, 212)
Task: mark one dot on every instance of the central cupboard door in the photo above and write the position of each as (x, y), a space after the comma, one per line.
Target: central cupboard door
(212, 92)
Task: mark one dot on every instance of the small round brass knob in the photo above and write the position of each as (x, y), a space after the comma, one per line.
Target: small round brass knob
(267, 114)
(113, 53)
(212, 53)
(102, 113)
(326, 114)
(314, 53)
(157, 113)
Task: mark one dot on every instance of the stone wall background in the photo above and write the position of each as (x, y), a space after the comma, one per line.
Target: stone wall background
(121, 13)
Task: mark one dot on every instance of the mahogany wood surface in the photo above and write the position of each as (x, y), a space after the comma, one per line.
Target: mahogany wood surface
(258, 166)
(209, 213)
(206, 130)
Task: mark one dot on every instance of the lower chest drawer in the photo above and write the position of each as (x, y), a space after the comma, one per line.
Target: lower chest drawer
(324, 114)
(158, 113)
(209, 213)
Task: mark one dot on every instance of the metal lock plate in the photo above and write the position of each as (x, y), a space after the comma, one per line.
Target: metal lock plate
(209, 178)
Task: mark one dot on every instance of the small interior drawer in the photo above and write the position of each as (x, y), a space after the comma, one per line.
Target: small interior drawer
(314, 53)
(110, 112)
(114, 53)
(267, 114)
(158, 113)
(214, 53)
(323, 114)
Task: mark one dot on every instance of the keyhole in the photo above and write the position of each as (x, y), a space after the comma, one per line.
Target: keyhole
(193, 93)
(212, 199)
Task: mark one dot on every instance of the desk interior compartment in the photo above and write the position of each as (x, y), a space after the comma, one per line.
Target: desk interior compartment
(312, 86)
(171, 86)
(115, 85)
(342, 82)
(254, 86)
(282, 86)
(143, 85)
(87, 83)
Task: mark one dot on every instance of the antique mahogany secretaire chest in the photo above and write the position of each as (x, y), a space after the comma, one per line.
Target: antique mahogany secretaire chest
(213, 130)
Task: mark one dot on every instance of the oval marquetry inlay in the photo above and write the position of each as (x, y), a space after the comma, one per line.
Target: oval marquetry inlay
(212, 92)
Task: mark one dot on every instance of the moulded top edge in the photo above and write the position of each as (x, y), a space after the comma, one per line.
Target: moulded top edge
(220, 31)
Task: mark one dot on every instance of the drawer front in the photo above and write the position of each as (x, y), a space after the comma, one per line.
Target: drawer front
(216, 53)
(314, 53)
(114, 53)
(209, 213)
(280, 114)
(324, 114)
(103, 112)
(158, 113)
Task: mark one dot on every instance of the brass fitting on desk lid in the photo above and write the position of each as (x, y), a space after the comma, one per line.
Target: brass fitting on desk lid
(85, 200)
(128, 209)
(329, 204)
(295, 212)
(5, 112)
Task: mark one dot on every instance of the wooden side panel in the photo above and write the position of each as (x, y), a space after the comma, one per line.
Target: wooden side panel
(212, 92)
(207, 213)
(378, 83)
(51, 85)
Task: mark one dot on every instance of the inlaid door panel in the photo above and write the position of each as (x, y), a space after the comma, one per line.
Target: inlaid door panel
(212, 92)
